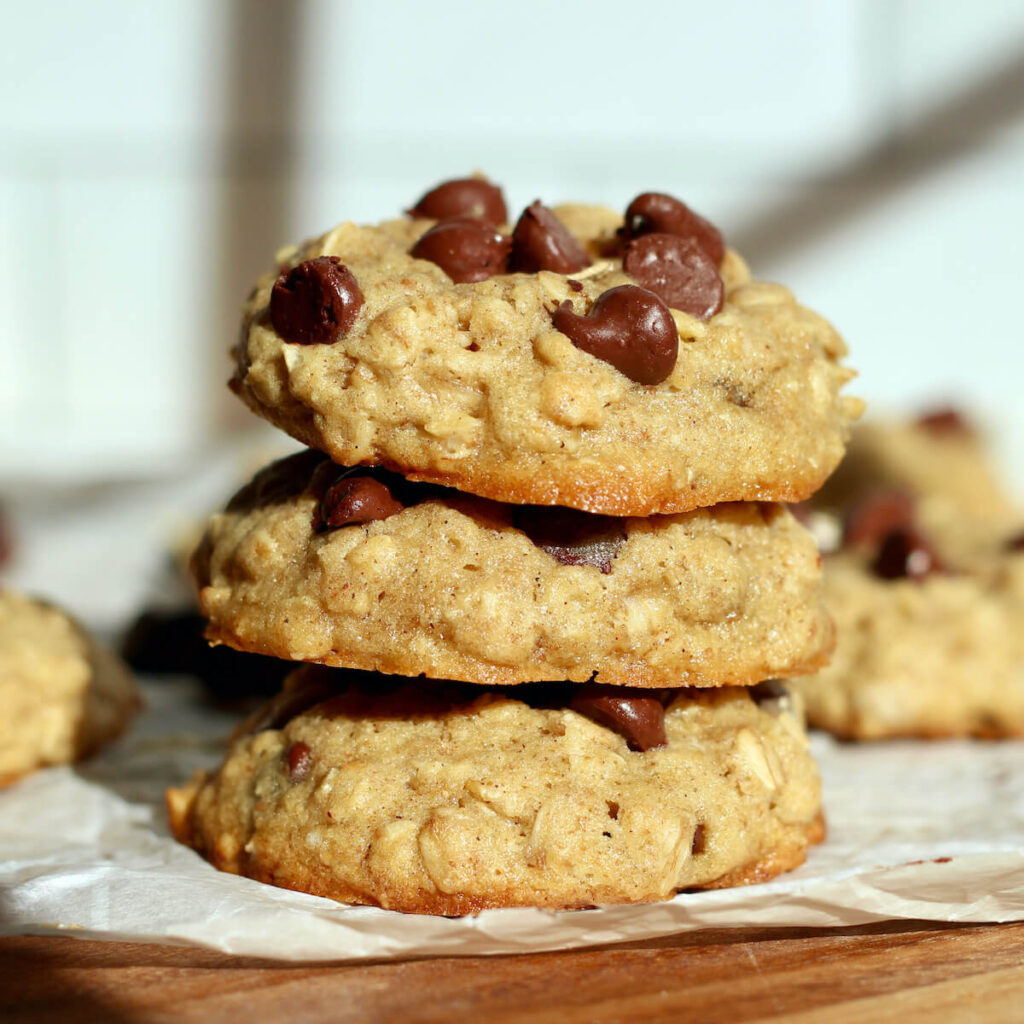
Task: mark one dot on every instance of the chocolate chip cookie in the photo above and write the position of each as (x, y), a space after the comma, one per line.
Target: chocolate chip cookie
(926, 587)
(61, 694)
(364, 569)
(618, 365)
(452, 799)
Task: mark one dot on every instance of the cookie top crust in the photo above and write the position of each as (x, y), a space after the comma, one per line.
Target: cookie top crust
(61, 694)
(363, 569)
(427, 805)
(575, 387)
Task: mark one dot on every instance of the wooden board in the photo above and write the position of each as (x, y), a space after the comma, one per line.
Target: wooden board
(909, 972)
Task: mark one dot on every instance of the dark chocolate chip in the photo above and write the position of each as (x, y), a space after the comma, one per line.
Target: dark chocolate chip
(300, 761)
(315, 303)
(354, 498)
(657, 213)
(868, 521)
(905, 554)
(636, 716)
(944, 421)
(572, 537)
(466, 250)
(541, 241)
(463, 197)
(770, 695)
(629, 327)
(678, 270)
(303, 690)
(279, 481)
(698, 841)
(1015, 543)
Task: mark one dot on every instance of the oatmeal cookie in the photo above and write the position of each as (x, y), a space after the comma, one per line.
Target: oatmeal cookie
(363, 569)
(611, 370)
(926, 587)
(453, 800)
(61, 694)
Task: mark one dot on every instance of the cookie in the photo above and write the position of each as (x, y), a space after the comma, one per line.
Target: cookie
(363, 569)
(61, 694)
(454, 800)
(927, 590)
(612, 370)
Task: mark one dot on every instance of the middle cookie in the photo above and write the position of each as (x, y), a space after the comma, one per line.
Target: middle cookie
(363, 569)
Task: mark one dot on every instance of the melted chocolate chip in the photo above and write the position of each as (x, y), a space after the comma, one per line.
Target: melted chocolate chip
(1015, 543)
(463, 197)
(629, 327)
(300, 761)
(466, 250)
(874, 516)
(315, 303)
(303, 690)
(572, 537)
(541, 241)
(771, 695)
(279, 481)
(944, 421)
(905, 553)
(678, 271)
(698, 841)
(637, 716)
(657, 213)
(354, 498)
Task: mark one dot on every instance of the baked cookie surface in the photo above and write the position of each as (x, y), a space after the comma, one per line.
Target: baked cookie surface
(462, 588)
(61, 694)
(470, 384)
(927, 590)
(453, 801)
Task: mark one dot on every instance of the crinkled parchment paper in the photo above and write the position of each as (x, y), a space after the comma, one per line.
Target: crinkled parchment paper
(930, 831)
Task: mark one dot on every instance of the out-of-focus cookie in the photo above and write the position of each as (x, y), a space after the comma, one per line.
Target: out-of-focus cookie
(61, 694)
(450, 800)
(363, 569)
(926, 587)
(631, 368)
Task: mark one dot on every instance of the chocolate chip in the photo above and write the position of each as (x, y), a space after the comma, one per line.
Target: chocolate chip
(279, 481)
(1015, 543)
(466, 250)
(463, 197)
(315, 303)
(354, 498)
(541, 241)
(905, 554)
(697, 843)
(944, 421)
(300, 761)
(657, 213)
(770, 695)
(678, 270)
(576, 286)
(572, 537)
(303, 690)
(636, 716)
(629, 327)
(874, 516)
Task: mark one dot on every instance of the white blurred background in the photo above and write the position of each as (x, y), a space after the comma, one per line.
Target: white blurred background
(868, 153)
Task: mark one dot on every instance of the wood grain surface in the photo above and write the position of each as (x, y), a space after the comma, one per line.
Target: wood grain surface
(896, 971)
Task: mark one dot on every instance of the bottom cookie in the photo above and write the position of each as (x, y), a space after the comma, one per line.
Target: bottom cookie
(61, 695)
(444, 798)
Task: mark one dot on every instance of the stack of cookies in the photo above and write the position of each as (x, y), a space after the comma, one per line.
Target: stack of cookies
(533, 561)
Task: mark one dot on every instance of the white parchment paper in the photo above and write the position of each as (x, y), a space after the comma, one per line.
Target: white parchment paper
(930, 831)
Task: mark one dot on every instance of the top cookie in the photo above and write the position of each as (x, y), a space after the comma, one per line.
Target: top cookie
(529, 366)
